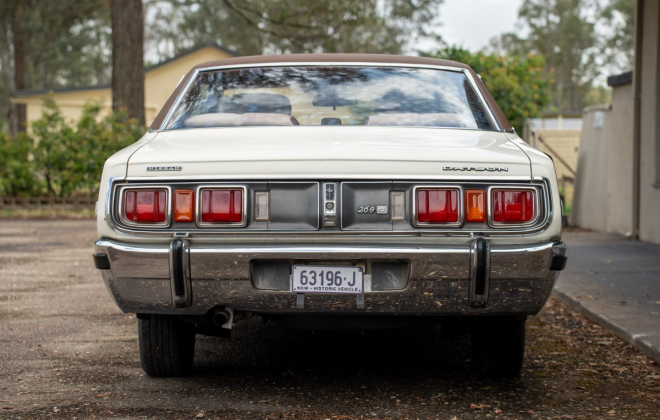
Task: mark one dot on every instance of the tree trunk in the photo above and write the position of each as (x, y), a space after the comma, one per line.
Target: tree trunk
(18, 112)
(127, 58)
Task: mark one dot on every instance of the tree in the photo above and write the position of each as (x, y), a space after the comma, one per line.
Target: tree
(619, 43)
(19, 119)
(518, 83)
(128, 58)
(266, 26)
(562, 31)
(50, 44)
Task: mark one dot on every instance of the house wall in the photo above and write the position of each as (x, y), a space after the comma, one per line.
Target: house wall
(649, 153)
(591, 201)
(603, 198)
(70, 103)
(159, 83)
(619, 162)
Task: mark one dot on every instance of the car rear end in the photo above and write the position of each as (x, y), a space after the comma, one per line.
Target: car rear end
(383, 225)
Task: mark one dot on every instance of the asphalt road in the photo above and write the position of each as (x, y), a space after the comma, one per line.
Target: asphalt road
(615, 281)
(67, 352)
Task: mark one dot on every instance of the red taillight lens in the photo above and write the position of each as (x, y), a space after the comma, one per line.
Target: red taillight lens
(145, 206)
(437, 205)
(222, 206)
(511, 206)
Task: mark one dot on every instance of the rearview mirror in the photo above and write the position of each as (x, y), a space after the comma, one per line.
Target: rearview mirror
(332, 100)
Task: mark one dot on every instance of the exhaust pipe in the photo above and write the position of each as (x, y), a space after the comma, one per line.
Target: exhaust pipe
(221, 318)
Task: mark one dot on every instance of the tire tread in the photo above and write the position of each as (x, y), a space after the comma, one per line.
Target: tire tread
(167, 345)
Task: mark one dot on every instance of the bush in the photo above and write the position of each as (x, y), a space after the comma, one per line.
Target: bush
(62, 159)
(518, 83)
(17, 177)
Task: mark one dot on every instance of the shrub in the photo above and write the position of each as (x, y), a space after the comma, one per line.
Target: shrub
(518, 83)
(60, 158)
(17, 177)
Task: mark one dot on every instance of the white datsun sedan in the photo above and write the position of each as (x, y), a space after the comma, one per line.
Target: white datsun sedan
(330, 191)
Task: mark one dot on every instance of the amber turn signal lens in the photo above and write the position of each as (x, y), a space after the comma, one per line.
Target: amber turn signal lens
(475, 206)
(184, 205)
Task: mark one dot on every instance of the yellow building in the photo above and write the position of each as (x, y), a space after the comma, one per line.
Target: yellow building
(160, 80)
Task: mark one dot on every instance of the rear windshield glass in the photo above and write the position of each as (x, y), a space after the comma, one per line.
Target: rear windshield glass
(331, 95)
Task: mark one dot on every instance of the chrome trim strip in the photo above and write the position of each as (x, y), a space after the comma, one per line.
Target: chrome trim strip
(158, 225)
(358, 177)
(108, 201)
(438, 187)
(196, 73)
(198, 206)
(483, 100)
(146, 249)
(179, 97)
(220, 249)
(499, 225)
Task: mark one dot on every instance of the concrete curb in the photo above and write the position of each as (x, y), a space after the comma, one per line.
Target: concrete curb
(636, 341)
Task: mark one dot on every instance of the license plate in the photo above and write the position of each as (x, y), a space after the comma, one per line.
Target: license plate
(320, 279)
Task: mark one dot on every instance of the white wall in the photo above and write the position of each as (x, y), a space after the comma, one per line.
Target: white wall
(649, 212)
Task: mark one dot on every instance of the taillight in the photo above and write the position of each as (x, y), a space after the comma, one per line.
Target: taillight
(145, 205)
(184, 205)
(475, 206)
(222, 206)
(513, 206)
(437, 205)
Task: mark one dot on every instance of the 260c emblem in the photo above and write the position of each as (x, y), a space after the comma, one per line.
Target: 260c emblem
(372, 209)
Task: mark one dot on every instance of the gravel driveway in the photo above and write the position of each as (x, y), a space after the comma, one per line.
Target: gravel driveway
(66, 351)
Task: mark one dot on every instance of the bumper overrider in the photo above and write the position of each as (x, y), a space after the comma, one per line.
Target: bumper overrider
(188, 279)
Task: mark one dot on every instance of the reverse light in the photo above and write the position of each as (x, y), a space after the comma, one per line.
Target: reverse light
(222, 206)
(475, 206)
(398, 206)
(512, 206)
(148, 206)
(261, 206)
(437, 206)
(184, 205)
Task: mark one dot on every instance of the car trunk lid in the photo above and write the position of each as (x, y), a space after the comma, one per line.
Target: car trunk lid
(330, 153)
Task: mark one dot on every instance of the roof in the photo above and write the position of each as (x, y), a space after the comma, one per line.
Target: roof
(620, 79)
(29, 92)
(192, 50)
(334, 59)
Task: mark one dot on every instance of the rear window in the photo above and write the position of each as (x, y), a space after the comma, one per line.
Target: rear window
(331, 95)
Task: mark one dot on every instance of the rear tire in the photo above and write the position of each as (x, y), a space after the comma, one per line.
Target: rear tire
(498, 346)
(167, 345)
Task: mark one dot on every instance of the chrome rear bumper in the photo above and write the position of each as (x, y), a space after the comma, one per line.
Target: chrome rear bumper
(141, 279)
